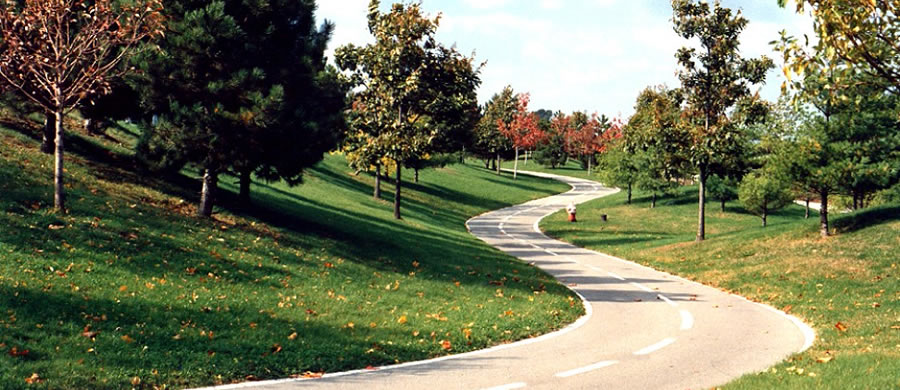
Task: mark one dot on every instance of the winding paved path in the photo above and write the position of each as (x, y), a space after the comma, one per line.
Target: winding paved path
(644, 329)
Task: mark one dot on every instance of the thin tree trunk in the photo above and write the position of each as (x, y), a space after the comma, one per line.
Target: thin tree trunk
(498, 163)
(765, 213)
(590, 160)
(59, 194)
(629, 193)
(701, 226)
(723, 205)
(416, 175)
(653, 201)
(377, 194)
(48, 134)
(516, 164)
(208, 194)
(244, 192)
(807, 207)
(526, 158)
(397, 193)
(823, 214)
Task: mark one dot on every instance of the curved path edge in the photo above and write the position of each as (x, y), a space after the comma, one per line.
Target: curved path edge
(638, 309)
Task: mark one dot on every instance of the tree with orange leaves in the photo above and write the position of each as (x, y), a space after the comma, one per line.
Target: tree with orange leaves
(523, 131)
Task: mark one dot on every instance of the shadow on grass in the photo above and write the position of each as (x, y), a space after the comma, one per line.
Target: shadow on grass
(867, 218)
(136, 336)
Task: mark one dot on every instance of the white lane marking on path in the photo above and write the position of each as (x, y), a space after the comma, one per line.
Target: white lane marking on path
(500, 226)
(585, 369)
(655, 347)
(687, 320)
(616, 276)
(667, 300)
(535, 246)
(641, 286)
(551, 252)
(511, 386)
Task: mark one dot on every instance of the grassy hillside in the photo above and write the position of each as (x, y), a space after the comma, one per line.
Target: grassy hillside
(129, 289)
(845, 286)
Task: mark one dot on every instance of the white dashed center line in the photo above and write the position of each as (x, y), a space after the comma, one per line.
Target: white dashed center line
(655, 347)
(582, 370)
(687, 320)
(511, 386)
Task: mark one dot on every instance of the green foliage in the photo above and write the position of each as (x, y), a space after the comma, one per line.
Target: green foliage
(723, 189)
(553, 152)
(713, 79)
(618, 167)
(863, 33)
(412, 91)
(762, 192)
(488, 141)
(241, 86)
(657, 140)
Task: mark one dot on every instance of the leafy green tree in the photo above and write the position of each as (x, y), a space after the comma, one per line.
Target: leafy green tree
(410, 86)
(763, 191)
(713, 79)
(241, 87)
(553, 152)
(863, 33)
(869, 144)
(830, 85)
(618, 167)
(723, 189)
(489, 142)
(658, 140)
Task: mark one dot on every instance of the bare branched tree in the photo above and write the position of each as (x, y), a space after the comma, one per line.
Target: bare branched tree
(57, 53)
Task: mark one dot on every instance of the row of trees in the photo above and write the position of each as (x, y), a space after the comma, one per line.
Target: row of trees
(507, 126)
(232, 86)
(835, 132)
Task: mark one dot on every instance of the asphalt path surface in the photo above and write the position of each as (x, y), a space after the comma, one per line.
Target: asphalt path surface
(644, 329)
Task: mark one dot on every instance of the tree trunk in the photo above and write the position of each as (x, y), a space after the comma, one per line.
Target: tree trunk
(629, 193)
(59, 192)
(208, 194)
(723, 204)
(653, 201)
(498, 163)
(48, 134)
(516, 165)
(397, 193)
(823, 214)
(590, 160)
(765, 213)
(377, 194)
(526, 158)
(244, 192)
(807, 207)
(416, 175)
(701, 225)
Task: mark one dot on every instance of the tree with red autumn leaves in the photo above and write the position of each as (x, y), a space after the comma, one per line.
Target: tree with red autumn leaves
(523, 131)
(57, 53)
(591, 137)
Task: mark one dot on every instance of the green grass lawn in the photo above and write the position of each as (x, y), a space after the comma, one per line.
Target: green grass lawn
(129, 289)
(845, 286)
(570, 168)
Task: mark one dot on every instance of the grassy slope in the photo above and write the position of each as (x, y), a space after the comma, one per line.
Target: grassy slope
(129, 288)
(571, 168)
(851, 278)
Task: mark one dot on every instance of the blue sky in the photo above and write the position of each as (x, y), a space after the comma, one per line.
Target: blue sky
(573, 55)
